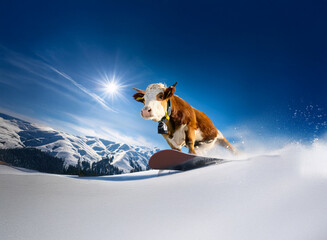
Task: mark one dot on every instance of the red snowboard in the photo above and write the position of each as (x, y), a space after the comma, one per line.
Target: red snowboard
(176, 160)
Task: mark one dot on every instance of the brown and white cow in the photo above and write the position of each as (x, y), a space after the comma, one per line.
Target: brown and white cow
(187, 126)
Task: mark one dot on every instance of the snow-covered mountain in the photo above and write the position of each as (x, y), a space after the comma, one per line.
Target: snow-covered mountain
(16, 133)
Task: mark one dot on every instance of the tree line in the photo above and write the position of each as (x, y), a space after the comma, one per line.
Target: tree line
(35, 159)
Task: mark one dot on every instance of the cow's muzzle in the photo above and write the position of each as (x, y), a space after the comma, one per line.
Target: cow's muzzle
(146, 112)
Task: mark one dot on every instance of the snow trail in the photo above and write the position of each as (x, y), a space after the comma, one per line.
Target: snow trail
(279, 195)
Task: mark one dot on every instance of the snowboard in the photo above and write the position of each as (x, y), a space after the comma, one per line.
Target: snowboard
(175, 160)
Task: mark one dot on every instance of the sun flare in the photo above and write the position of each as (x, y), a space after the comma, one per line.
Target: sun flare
(112, 87)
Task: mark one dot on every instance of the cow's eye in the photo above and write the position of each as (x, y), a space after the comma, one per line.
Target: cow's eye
(160, 96)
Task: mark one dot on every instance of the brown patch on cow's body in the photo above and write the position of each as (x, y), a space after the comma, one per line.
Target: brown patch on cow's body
(184, 113)
(209, 131)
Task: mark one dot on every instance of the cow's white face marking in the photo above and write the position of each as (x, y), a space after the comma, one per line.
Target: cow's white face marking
(151, 102)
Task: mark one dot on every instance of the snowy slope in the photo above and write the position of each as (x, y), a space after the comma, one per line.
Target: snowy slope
(278, 196)
(18, 133)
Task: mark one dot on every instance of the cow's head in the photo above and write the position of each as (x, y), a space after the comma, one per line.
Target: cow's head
(155, 99)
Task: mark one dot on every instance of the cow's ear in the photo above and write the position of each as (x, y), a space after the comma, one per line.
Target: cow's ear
(169, 92)
(139, 97)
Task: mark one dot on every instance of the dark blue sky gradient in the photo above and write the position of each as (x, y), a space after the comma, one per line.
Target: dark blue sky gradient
(252, 63)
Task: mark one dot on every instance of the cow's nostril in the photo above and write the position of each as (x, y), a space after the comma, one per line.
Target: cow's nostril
(149, 110)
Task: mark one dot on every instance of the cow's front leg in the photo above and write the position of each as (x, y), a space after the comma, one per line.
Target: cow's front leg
(190, 140)
(169, 141)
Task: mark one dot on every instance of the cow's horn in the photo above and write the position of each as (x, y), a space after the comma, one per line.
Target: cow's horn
(139, 90)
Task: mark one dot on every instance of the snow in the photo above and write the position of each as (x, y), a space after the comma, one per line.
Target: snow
(8, 134)
(279, 195)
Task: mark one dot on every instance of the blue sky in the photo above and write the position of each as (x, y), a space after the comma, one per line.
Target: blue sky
(256, 66)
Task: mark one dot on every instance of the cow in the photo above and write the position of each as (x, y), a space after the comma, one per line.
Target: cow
(185, 125)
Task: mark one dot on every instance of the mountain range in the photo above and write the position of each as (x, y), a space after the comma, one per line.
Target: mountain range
(17, 133)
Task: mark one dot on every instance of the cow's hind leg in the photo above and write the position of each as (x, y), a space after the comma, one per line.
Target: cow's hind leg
(222, 141)
(190, 140)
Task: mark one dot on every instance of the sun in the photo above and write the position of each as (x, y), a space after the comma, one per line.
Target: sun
(112, 87)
